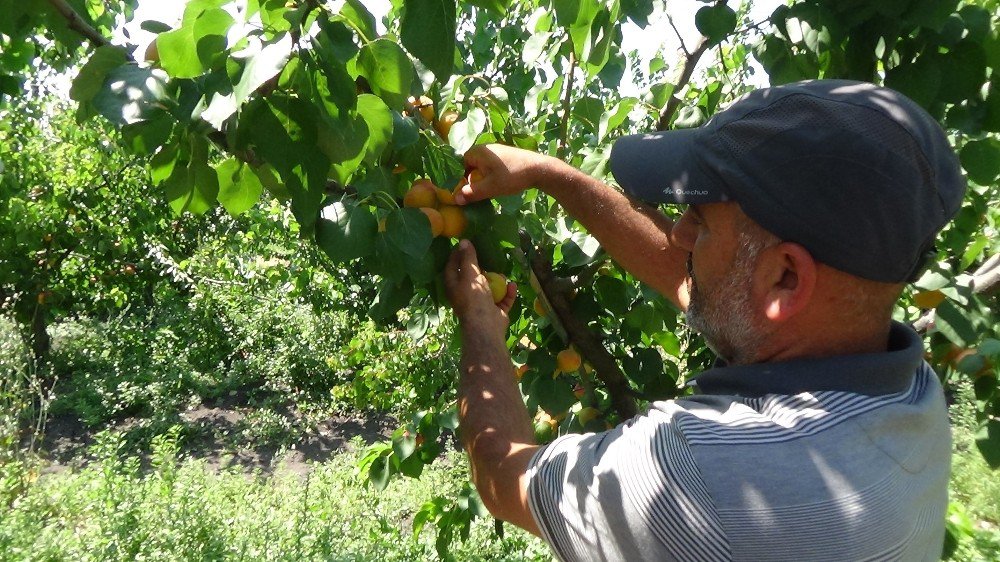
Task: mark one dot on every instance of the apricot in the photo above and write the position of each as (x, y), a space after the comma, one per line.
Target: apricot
(498, 285)
(425, 106)
(437, 221)
(568, 360)
(454, 220)
(423, 193)
(445, 197)
(445, 122)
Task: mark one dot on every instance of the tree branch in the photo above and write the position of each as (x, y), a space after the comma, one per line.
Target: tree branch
(564, 126)
(77, 23)
(677, 32)
(690, 62)
(580, 336)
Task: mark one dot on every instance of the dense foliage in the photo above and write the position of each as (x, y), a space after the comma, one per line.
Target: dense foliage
(334, 115)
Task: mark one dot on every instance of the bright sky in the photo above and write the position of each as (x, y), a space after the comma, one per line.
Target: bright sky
(658, 35)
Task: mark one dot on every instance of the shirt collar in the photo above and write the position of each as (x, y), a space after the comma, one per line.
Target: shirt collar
(872, 374)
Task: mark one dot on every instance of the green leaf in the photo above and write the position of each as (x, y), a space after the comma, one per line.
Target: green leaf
(346, 231)
(981, 160)
(613, 118)
(465, 132)
(154, 26)
(403, 446)
(192, 49)
(428, 31)
(646, 368)
(131, 94)
(715, 22)
(392, 296)
(988, 442)
(963, 72)
(146, 137)
(363, 20)
(919, 80)
(613, 295)
(577, 16)
(443, 165)
(690, 117)
(379, 118)
(92, 76)
(638, 11)
(953, 323)
(161, 165)
(535, 46)
(410, 231)
(404, 131)
(580, 249)
(498, 7)
(343, 141)
(379, 473)
(388, 70)
(239, 188)
(283, 132)
(262, 66)
(554, 395)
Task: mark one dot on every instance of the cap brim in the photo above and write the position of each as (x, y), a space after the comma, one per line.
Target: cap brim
(663, 167)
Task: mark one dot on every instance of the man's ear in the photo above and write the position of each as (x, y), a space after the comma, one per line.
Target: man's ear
(788, 277)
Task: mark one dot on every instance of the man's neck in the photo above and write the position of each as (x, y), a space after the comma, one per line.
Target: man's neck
(799, 343)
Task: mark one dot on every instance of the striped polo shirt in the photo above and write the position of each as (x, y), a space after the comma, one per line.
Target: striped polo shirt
(841, 458)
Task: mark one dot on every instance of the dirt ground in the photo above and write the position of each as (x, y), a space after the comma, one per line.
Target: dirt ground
(66, 440)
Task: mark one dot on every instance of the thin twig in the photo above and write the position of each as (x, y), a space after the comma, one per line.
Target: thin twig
(680, 39)
(76, 23)
(567, 98)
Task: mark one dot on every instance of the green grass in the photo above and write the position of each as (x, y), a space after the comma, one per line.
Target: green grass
(112, 510)
(974, 490)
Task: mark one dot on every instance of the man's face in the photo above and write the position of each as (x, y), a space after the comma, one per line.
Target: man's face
(720, 267)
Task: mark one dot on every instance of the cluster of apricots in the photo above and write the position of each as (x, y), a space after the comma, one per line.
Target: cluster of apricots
(448, 219)
(441, 123)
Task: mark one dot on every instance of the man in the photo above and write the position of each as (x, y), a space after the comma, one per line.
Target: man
(822, 434)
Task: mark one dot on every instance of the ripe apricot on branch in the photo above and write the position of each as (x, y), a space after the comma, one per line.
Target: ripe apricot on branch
(437, 222)
(568, 360)
(445, 122)
(454, 221)
(152, 54)
(519, 372)
(422, 193)
(445, 197)
(498, 285)
(425, 106)
(538, 306)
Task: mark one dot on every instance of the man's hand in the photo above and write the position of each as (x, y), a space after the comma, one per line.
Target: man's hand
(470, 296)
(504, 170)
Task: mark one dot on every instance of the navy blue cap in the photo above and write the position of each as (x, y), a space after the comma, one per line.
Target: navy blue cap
(858, 174)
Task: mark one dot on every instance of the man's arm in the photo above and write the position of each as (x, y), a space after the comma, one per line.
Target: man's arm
(494, 423)
(634, 234)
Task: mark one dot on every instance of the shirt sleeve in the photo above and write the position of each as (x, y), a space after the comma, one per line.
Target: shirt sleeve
(631, 493)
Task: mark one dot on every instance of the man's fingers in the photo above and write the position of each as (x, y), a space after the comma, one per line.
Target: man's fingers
(508, 299)
(467, 262)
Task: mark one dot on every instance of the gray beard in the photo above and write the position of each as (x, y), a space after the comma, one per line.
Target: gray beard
(724, 316)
